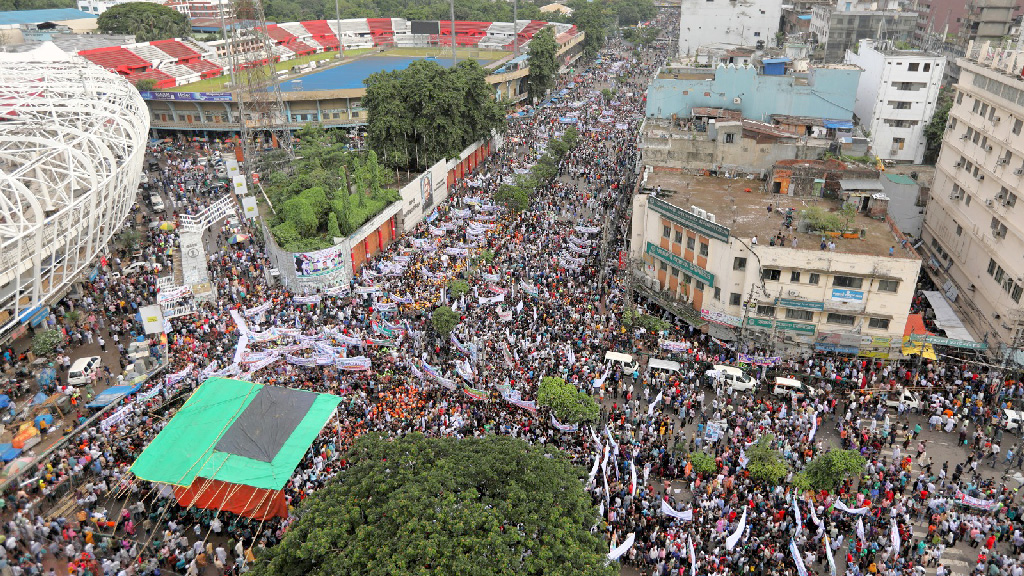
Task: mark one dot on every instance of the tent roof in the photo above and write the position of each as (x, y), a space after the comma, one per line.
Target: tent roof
(207, 437)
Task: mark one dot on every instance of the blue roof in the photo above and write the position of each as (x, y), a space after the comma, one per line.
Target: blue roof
(775, 60)
(111, 395)
(804, 17)
(37, 16)
(840, 124)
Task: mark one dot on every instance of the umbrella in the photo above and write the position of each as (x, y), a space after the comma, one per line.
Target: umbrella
(167, 226)
(16, 466)
(236, 238)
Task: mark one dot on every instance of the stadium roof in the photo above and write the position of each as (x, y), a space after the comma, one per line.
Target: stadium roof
(238, 432)
(37, 16)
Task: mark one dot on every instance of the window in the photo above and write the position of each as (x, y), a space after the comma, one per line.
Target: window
(766, 311)
(967, 199)
(913, 67)
(813, 278)
(847, 282)
(739, 263)
(703, 249)
(730, 138)
(690, 243)
(959, 230)
(897, 143)
(667, 232)
(700, 286)
(959, 97)
(734, 299)
(977, 104)
(663, 266)
(899, 104)
(1010, 200)
(984, 109)
(1017, 125)
(878, 323)
(805, 315)
(926, 68)
(758, 34)
(794, 276)
(687, 279)
(675, 272)
(679, 237)
(842, 319)
(991, 266)
(718, 293)
(888, 285)
(771, 274)
(1017, 289)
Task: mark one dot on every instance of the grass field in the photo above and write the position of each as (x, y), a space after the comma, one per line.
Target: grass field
(218, 83)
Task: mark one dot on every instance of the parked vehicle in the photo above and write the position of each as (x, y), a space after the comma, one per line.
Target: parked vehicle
(82, 370)
(626, 361)
(734, 379)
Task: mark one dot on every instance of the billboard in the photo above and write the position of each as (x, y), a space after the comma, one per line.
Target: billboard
(321, 262)
(249, 207)
(152, 319)
(187, 96)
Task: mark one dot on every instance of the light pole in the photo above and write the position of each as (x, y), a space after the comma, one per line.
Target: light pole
(454, 57)
(515, 28)
(337, 18)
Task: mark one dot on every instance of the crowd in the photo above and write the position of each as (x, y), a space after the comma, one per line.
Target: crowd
(548, 303)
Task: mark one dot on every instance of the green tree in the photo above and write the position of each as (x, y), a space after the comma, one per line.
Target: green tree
(703, 463)
(827, 471)
(145, 84)
(147, 21)
(491, 506)
(516, 196)
(46, 342)
(487, 255)
(456, 288)
(766, 464)
(594, 19)
(426, 113)
(569, 404)
(543, 67)
(332, 225)
(444, 320)
(936, 128)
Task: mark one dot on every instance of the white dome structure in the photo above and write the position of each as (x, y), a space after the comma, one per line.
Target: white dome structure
(72, 145)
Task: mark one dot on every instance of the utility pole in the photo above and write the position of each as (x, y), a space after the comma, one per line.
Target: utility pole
(515, 28)
(1010, 351)
(337, 17)
(454, 58)
(746, 312)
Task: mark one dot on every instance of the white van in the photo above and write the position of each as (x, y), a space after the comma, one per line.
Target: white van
(82, 370)
(1012, 419)
(911, 399)
(793, 388)
(735, 380)
(624, 360)
(664, 365)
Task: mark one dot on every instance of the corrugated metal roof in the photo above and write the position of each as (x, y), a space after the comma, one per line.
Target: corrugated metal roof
(774, 60)
(901, 179)
(38, 16)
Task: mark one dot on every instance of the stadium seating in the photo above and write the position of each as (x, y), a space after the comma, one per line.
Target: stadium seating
(181, 53)
(321, 33)
(117, 59)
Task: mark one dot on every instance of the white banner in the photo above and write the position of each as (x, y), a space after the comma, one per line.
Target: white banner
(894, 533)
(622, 548)
(493, 299)
(800, 568)
(844, 508)
(257, 309)
(734, 538)
(668, 510)
(831, 560)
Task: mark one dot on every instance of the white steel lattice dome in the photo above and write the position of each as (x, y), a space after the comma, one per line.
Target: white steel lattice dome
(72, 144)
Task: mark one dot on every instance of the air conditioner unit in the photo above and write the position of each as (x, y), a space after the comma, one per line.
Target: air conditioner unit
(988, 148)
(793, 293)
(954, 196)
(988, 202)
(997, 120)
(999, 233)
(981, 177)
(958, 165)
(1001, 161)
(1000, 196)
(737, 100)
(964, 137)
(1019, 171)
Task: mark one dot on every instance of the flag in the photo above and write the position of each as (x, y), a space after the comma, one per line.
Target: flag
(894, 532)
(814, 427)
(831, 560)
(693, 556)
(800, 568)
(650, 409)
(814, 517)
(860, 529)
(632, 468)
(799, 519)
(734, 538)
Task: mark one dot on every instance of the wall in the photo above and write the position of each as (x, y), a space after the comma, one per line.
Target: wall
(903, 200)
(696, 151)
(417, 203)
(821, 93)
(720, 21)
(872, 62)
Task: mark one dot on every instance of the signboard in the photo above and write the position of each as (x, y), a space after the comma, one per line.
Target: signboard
(321, 262)
(952, 342)
(239, 185)
(880, 354)
(759, 322)
(801, 304)
(836, 348)
(684, 265)
(40, 315)
(721, 318)
(152, 319)
(187, 96)
(847, 295)
(193, 258)
(249, 208)
(795, 326)
(690, 221)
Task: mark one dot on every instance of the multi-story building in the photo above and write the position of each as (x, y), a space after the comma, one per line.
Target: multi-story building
(739, 22)
(974, 224)
(988, 20)
(896, 97)
(838, 27)
(204, 8)
(754, 263)
(940, 17)
(98, 7)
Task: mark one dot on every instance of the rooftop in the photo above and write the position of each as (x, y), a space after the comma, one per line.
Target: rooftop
(746, 213)
(37, 16)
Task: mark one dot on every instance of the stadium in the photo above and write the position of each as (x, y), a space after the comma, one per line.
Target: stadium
(72, 141)
(321, 65)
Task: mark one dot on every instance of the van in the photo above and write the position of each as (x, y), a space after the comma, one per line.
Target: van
(793, 388)
(624, 360)
(735, 380)
(82, 370)
(911, 399)
(157, 203)
(664, 365)
(1012, 419)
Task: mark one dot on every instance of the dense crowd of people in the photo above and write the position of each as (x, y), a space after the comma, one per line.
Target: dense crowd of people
(548, 302)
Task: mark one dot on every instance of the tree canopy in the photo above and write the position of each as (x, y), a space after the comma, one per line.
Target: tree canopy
(569, 404)
(543, 66)
(427, 113)
(491, 506)
(147, 21)
(470, 10)
(329, 191)
(766, 464)
(516, 195)
(936, 128)
(828, 470)
(11, 5)
(444, 320)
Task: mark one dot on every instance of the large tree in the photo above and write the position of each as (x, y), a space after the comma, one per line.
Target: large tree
(543, 66)
(147, 21)
(427, 113)
(569, 404)
(492, 506)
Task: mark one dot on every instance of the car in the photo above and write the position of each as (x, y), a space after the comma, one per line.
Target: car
(157, 203)
(626, 361)
(793, 388)
(82, 370)
(134, 267)
(672, 368)
(734, 379)
(911, 399)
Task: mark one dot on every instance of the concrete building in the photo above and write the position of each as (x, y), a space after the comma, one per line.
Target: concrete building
(974, 224)
(738, 22)
(203, 8)
(988, 20)
(896, 97)
(14, 23)
(820, 92)
(98, 7)
(940, 16)
(711, 246)
(838, 27)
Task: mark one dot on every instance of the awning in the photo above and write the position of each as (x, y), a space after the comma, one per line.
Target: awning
(915, 325)
(946, 318)
(858, 184)
(839, 124)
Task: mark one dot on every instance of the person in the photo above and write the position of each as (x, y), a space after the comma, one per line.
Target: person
(753, 241)
(892, 250)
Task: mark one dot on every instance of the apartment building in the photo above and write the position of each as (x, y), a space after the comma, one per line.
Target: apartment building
(896, 97)
(837, 27)
(974, 224)
(749, 262)
(738, 22)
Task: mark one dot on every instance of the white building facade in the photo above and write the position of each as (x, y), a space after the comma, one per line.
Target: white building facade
(896, 98)
(98, 7)
(974, 224)
(739, 22)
